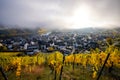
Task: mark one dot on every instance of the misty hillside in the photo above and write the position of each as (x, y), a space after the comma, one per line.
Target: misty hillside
(6, 31)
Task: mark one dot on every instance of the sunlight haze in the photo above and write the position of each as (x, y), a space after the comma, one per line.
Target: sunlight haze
(60, 14)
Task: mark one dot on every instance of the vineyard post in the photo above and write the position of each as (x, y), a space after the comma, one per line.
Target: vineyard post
(73, 61)
(3, 74)
(103, 66)
(62, 67)
(55, 69)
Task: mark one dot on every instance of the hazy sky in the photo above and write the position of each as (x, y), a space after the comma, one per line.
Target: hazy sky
(60, 13)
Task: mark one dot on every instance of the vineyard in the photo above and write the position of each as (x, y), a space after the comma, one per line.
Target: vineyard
(57, 66)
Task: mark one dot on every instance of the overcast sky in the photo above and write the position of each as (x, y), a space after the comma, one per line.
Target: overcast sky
(60, 13)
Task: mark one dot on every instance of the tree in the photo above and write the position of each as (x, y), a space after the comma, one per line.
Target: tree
(3, 48)
(109, 41)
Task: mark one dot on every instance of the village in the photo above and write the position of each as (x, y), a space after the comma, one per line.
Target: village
(66, 42)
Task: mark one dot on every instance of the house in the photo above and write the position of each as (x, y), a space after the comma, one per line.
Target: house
(32, 47)
(1, 44)
(26, 46)
(34, 52)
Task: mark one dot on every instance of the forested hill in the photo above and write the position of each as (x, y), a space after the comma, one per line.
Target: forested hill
(9, 32)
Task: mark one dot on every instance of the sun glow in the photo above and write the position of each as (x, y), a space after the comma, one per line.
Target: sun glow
(81, 18)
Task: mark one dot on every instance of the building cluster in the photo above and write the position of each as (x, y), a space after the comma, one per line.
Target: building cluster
(66, 42)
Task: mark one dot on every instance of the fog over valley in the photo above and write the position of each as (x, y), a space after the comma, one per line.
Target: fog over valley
(59, 14)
